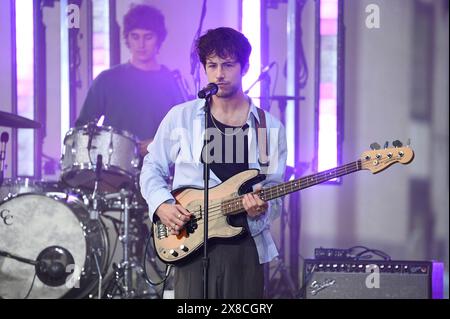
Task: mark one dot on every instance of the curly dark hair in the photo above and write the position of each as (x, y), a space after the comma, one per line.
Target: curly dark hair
(145, 17)
(224, 42)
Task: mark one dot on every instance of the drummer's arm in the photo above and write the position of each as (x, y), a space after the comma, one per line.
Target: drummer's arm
(94, 104)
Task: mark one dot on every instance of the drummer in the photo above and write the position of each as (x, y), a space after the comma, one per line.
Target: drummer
(135, 96)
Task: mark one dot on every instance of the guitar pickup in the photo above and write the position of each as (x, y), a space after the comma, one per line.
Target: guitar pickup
(162, 230)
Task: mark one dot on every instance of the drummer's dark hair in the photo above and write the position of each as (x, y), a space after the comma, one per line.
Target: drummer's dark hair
(145, 17)
(224, 42)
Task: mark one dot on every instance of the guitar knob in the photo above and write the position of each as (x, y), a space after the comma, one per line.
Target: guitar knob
(184, 248)
(173, 253)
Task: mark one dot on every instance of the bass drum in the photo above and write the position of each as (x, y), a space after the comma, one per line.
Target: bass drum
(57, 231)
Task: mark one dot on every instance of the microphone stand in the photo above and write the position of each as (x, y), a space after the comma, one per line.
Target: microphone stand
(206, 199)
(262, 75)
(4, 141)
(18, 258)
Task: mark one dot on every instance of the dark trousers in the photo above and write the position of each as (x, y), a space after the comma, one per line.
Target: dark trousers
(234, 272)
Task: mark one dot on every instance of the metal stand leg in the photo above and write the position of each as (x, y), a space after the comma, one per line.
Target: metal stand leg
(285, 281)
(126, 249)
(129, 276)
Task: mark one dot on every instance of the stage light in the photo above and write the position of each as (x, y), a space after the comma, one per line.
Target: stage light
(24, 31)
(100, 37)
(327, 138)
(251, 28)
(64, 71)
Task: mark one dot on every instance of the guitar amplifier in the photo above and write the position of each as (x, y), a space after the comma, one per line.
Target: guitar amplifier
(375, 279)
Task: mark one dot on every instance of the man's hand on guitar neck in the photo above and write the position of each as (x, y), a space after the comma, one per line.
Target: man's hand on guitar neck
(254, 205)
(173, 216)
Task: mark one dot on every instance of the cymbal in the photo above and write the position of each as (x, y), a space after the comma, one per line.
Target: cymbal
(16, 121)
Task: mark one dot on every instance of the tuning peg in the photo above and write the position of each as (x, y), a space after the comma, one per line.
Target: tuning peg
(386, 145)
(409, 142)
(375, 146)
(397, 143)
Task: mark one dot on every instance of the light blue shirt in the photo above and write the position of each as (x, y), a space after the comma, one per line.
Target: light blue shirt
(179, 142)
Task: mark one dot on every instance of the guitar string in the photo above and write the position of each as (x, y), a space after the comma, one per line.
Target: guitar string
(343, 169)
(216, 209)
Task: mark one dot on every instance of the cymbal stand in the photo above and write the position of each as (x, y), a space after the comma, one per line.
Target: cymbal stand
(125, 239)
(94, 215)
(123, 272)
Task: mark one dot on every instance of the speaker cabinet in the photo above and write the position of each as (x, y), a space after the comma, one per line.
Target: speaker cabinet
(343, 279)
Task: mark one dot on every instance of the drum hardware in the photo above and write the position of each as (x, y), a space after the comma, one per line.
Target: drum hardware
(99, 271)
(4, 140)
(98, 171)
(123, 269)
(18, 258)
(94, 214)
(128, 273)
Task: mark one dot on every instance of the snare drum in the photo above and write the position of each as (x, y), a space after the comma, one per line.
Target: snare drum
(119, 158)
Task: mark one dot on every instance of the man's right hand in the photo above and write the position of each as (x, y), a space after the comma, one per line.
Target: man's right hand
(173, 216)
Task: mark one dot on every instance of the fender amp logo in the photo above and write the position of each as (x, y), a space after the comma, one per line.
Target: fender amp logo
(6, 217)
(318, 286)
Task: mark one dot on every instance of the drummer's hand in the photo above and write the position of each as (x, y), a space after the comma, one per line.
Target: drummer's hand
(143, 146)
(173, 216)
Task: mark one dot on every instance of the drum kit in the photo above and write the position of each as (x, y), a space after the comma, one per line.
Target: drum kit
(57, 237)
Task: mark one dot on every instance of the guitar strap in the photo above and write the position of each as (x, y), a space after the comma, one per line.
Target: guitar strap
(261, 139)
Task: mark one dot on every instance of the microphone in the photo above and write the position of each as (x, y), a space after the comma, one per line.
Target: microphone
(5, 137)
(207, 91)
(91, 129)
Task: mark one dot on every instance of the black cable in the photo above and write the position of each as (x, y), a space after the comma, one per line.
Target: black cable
(115, 247)
(167, 270)
(303, 65)
(31, 287)
(360, 255)
(274, 83)
(302, 290)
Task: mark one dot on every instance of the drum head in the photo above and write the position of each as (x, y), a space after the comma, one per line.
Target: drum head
(30, 225)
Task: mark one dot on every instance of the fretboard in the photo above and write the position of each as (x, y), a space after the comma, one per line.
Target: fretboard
(234, 205)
